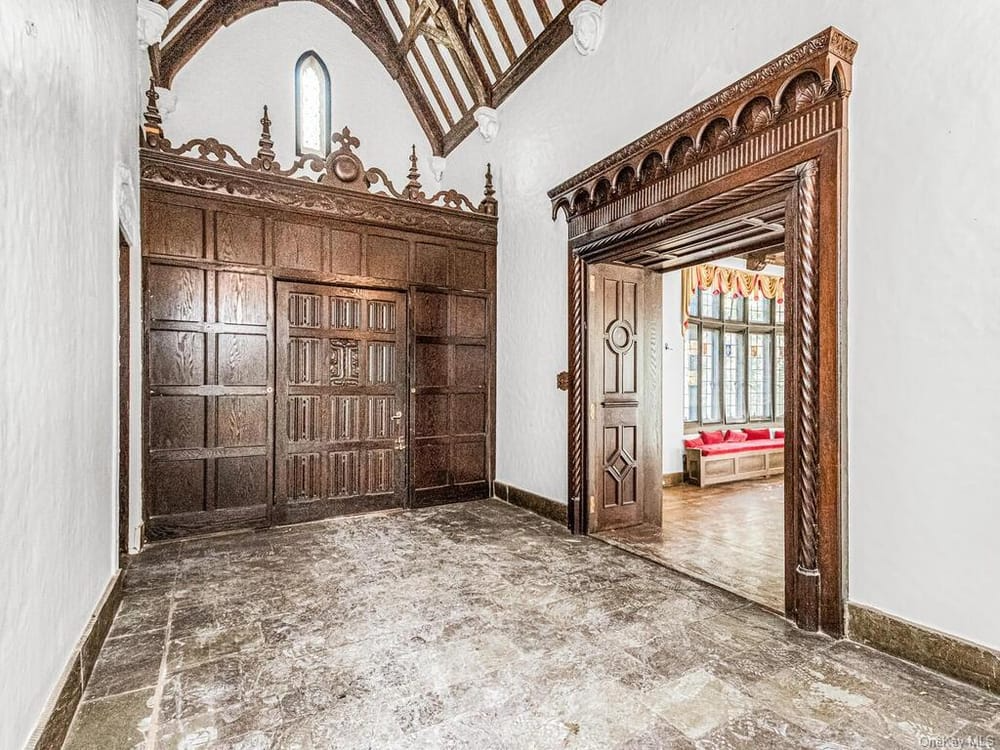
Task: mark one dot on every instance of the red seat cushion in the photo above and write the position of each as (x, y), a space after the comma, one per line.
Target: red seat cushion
(764, 434)
(751, 445)
(694, 443)
(711, 438)
(735, 436)
(779, 434)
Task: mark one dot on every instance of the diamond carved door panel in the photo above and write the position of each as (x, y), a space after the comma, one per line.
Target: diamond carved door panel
(623, 387)
(341, 399)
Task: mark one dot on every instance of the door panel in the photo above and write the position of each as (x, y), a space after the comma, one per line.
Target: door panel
(341, 398)
(624, 388)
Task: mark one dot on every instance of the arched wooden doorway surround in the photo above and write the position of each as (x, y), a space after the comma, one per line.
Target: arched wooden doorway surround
(777, 135)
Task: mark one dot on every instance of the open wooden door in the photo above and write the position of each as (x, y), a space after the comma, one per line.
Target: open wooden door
(341, 401)
(624, 392)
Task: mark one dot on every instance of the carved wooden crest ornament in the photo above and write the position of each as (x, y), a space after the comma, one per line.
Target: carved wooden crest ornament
(209, 165)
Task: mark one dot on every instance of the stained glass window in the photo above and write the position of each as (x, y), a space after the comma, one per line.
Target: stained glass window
(710, 304)
(779, 374)
(711, 401)
(761, 372)
(760, 309)
(734, 364)
(312, 106)
(735, 368)
(691, 373)
(733, 307)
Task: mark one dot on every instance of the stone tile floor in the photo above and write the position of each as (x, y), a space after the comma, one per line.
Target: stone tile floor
(732, 535)
(481, 626)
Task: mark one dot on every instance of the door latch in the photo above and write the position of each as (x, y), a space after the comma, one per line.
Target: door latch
(401, 443)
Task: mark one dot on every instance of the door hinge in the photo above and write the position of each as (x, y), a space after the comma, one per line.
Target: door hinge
(593, 410)
(593, 504)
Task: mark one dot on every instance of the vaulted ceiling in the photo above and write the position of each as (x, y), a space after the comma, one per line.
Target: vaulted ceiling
(450, 57)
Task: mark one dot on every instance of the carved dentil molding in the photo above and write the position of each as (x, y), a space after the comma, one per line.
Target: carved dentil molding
(587, 20)
(152, 22)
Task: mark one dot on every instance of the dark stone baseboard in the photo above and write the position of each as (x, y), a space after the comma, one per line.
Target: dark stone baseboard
(543, 506)
(58, 715)
(673, 480)
(963, 660)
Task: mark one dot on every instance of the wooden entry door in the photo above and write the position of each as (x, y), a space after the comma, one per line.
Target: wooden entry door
(624, 385)
(341, 401)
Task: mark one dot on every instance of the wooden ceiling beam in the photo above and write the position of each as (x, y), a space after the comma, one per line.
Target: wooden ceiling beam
(484, 43)
(413, 28)
(455, 25)
(449, 27)
(543, 12)
(498, 25)
(522, 21)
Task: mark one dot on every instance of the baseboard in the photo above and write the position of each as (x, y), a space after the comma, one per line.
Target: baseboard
(543, 506)
(674, 479)
(963, 660)
(54, 724)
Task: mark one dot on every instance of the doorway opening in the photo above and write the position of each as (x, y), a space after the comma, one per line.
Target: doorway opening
(776, 138)
(724, 391)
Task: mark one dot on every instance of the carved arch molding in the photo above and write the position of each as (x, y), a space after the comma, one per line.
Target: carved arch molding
(784, 126)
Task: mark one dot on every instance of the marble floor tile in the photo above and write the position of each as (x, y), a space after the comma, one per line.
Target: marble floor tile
(480, 626)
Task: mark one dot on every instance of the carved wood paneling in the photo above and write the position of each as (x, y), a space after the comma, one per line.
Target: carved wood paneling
(210, 289)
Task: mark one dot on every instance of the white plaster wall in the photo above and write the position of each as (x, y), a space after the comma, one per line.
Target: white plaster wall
(923, 507)
(67, 117)
(222, 90)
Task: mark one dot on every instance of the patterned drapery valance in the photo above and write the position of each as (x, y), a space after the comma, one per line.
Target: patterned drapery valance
(722, 280)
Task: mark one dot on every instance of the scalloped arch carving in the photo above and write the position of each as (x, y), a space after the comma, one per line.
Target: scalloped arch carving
(803, 78)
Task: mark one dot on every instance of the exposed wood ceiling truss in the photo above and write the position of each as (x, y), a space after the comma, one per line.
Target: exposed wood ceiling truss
(450, 57)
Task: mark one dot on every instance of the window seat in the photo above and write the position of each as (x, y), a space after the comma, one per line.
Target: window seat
(730, 462)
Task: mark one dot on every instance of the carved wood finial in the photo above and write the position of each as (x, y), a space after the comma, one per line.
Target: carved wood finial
(488, 205)
(413, 186)
(265, 154)
(347, 141)
(152, 122)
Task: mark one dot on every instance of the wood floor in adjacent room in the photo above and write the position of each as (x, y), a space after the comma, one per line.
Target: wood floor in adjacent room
(480, 626)
(732, 535)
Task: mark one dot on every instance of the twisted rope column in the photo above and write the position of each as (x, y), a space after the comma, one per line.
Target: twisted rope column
(576, 390)
(807, 288)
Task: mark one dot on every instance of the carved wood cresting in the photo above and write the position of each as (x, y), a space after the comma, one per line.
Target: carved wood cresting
(781, 128)
(208, 164)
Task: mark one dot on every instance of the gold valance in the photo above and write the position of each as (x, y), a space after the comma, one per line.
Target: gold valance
(722, 280)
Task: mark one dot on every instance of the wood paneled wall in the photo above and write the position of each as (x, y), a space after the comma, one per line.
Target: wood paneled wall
(211, 265)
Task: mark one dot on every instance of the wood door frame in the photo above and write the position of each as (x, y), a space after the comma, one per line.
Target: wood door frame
(787, 117)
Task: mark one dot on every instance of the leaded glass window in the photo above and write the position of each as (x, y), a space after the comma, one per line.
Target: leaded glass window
(312, 106)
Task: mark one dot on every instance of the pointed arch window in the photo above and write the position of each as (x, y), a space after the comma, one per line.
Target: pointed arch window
(312, 106)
